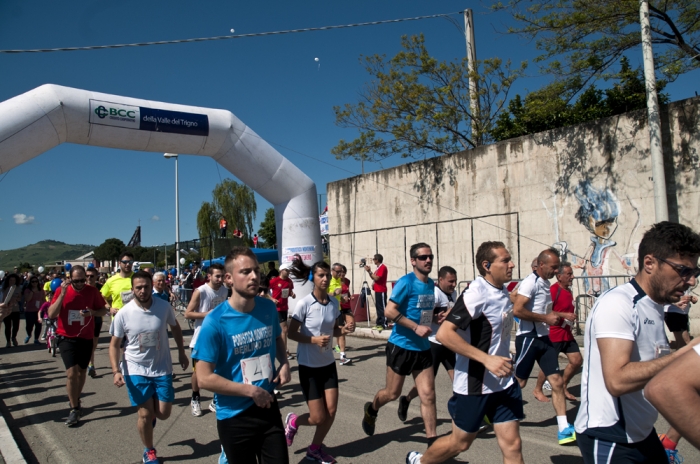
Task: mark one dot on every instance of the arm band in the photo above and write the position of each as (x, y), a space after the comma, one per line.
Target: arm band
(398, 318)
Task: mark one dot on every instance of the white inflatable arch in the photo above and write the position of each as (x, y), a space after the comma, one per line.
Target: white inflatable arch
(47, 116)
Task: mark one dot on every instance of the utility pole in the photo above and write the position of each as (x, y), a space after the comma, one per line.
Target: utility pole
(657, 156)
(473, 83)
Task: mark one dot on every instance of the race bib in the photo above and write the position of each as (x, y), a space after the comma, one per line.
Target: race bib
(148, 340)
(256, 369)
(75, 316)
(426, 318)
(285, 293)
(127, 296)
(507, 322)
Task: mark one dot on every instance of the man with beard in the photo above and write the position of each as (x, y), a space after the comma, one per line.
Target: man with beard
(626, 345)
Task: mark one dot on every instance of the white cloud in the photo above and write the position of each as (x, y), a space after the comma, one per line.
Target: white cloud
(155, 218)
(23, 219)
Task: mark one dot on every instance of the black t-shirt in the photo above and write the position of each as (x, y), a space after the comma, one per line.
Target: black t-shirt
(273, 273)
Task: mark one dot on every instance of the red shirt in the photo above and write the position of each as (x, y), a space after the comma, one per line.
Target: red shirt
(70, 323)
(564, 303)
(380, 283)
(345, 290)
(277, 285)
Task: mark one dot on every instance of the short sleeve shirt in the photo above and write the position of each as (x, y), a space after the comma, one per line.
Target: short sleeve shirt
(380, 284)
(119, 289)
(416, 301)
(70, 322)
(316, 319)
(562, 302)
(537, 290)
(333, 285)
(241, 346)
(281, 289)
(443, 302)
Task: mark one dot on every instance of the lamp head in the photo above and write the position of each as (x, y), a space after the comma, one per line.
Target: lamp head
(170, 155)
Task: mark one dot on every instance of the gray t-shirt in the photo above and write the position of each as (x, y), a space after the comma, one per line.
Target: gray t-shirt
(316, 319)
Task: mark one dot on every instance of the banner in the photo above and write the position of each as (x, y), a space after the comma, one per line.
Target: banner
(325, 227)
(149, 119)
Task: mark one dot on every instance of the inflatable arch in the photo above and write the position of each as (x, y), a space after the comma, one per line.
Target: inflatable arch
(47, 116)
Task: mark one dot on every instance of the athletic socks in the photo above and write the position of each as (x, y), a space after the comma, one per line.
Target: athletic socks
(342, 354)
(667, 443)
(372, 412)
(562, 422)
(195, 395)
(431, 440)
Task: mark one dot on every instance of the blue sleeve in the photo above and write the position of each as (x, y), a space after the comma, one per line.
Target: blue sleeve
(209, 342)
(400, 292)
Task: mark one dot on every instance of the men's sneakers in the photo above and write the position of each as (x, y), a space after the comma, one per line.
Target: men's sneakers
(345, 361)
(150, 457)
(336, 348)
(403, 408)
(568, 435)
(212, 407)
(547, 386)
(196, 408)
(26, 339)
(413, 457)
(290, 355)
(674, 457)
(73, 417)
(92, 372)
(379, 328)
(289, 430)
(368, 420)
(318, 455)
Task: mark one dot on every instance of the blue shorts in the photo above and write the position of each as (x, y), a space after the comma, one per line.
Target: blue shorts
(468, 411)
(141, 388)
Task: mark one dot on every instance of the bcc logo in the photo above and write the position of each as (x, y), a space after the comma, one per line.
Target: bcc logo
(102, 112)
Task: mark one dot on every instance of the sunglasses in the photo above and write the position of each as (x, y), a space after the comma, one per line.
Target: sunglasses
(78, 281)
(424, 257)
(684, 272)
(127, 261)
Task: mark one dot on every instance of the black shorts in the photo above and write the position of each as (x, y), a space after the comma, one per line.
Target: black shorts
(75, 351)
(98, 326)
(676, 322)
(282, 315)
(467, 411)
(255, 435)
(344, 313)
(531, 349)
(597, 451)
(442, 355)
(405, 362)
(567, 347)
(315, 381)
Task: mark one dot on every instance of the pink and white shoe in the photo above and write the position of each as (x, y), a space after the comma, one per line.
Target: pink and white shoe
(289, 430)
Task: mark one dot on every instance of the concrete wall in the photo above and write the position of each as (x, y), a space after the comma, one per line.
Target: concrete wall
(531, 192)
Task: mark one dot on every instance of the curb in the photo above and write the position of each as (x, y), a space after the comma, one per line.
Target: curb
(8, 447)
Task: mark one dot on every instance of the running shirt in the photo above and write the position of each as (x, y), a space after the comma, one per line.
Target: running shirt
(281, 289)
(627, 313)
(443, 302)
(333, 285)
(71, 323)
(119, 289)
(242, 348)
(562, 302)
(484, 315)
(416, 301)
(537, 290)
(147, 351)
(346, 293)
(316, 319)
(208, 300)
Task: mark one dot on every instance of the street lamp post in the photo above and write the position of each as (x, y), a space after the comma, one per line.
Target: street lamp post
(177, 214)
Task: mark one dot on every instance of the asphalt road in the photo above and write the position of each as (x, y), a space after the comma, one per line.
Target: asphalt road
(34, 402)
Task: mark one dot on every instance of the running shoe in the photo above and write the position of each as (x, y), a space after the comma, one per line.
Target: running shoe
(92, 372)
(196, 408)
(413, 457)
(73, 417)
(150, 457)
(222, 457)
(290, 355)
(674, 457)
(567, 436)
(14, 342)
(212, 407)
(403, 408)
(546, 386)
(379, 328)
(277, 392)
(37, 342)
(336, 348)
(319, 455)
(369, 420)
(289, 431)
(26, 339)
(344, 361)
(485, 423)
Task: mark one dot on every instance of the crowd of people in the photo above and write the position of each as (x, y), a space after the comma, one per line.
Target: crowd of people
(239, 349)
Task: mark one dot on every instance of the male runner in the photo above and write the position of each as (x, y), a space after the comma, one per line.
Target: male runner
(117, 289)
(478, 329)
(533, 305)
(445, 297)
(204, 299)
(91, 276)
(235, 350)
(626, 345)
(76, 305)
(339, 287)
(281, 288)
(408, 349)
(147, 369)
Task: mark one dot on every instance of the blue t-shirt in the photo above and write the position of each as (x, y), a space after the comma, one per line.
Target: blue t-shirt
(163, 296)
(242, 348)
(416, 301)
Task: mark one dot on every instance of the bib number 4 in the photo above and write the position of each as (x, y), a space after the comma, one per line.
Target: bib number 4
(256, 369)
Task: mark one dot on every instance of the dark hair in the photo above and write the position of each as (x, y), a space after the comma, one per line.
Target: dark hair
(216, 267)
(337, 265)
(562, 267)
(542, 257)
(416, 247)
(379, 258)
(345, 269)
(6, 282)
(444, 270)
(141, 275)
(485, 253)
(235, 253)
(125, 254)
(666, 239)
(264, 284)
(77, 267)
(302, 272)
(92, 269)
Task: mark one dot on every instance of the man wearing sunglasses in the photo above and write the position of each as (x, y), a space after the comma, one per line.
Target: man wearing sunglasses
(117, 289)
(626, 345)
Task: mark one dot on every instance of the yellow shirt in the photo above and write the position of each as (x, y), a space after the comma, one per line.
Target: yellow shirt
(47, 289)
(118, 288)
(335, 284)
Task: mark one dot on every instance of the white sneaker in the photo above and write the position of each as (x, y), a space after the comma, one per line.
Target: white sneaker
(413, 457)
(196, 409)
(212, 407)
(547, 386)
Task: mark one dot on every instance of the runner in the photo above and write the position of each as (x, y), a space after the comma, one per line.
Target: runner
(147, 368)
(445, 297)
(340, 288)
(408, 349)
(235, 350)
(117, 290)
(76, 305)
(626, 346)
(91, 276)
(478, 329)
(533, 305)
(313, 326)
(204, 299)
(281, 288)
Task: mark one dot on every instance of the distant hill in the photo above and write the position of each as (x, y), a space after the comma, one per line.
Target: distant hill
(42, 252)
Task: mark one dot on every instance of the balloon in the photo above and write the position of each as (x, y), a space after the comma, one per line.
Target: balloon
(315, 59)
(55, 283)
(68, 266)
(232, 31)
(173, 271)
(182, 260)
(2, 274)
(41, 269)
(91, 265)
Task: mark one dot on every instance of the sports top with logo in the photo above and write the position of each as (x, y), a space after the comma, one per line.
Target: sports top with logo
(537, 290)
(443, 302)
(416, 301)
(71, 323)
(242, 348)
(147, 351)
(484, 315)
(316, 319)
(119, 288)
(208, 300)
(280, 289)
(627, 313)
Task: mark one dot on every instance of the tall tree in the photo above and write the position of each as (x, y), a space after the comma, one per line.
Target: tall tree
(207, 226)
(236, 203)
(109, 250)
(415, 105)
(268, 229)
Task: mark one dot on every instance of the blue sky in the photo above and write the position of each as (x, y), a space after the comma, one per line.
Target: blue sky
(81, 194)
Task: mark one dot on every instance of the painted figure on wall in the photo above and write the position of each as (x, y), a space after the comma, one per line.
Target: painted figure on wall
(598, 213)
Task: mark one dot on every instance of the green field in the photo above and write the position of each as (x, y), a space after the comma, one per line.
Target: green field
(41, 253)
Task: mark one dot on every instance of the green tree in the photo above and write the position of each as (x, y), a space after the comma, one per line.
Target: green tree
(109, 250)
(268, 229)
(207, 226)
(415, 105)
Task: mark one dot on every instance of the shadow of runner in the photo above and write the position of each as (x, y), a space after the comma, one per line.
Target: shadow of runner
(566, 459)
(213, 448)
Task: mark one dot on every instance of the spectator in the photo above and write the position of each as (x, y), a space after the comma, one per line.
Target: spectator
(272, 272)
(379, 286)
(34, 296)
(12, 319)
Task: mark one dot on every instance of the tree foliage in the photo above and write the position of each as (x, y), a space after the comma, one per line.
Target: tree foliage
(581, 41)
(109, 250)
(416, 106)
(268, 229)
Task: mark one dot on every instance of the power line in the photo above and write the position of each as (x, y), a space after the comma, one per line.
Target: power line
(228, 37)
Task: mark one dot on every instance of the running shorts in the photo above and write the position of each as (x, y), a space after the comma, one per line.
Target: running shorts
(344, 313)
(98, 326)
(142, 388)
(315, 381)
(75, 351)
(529, 350)
(569, 346)
(442, 355)
(404, 362)
(282, 315)
(597, 451)
(676, 322)
(467, 411)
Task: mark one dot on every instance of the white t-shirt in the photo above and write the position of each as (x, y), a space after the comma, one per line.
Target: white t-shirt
(147, 350)
(484, 315)
(443, 302)
(537, 290)
(316, 319)
(627, 313)
(208, 300)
